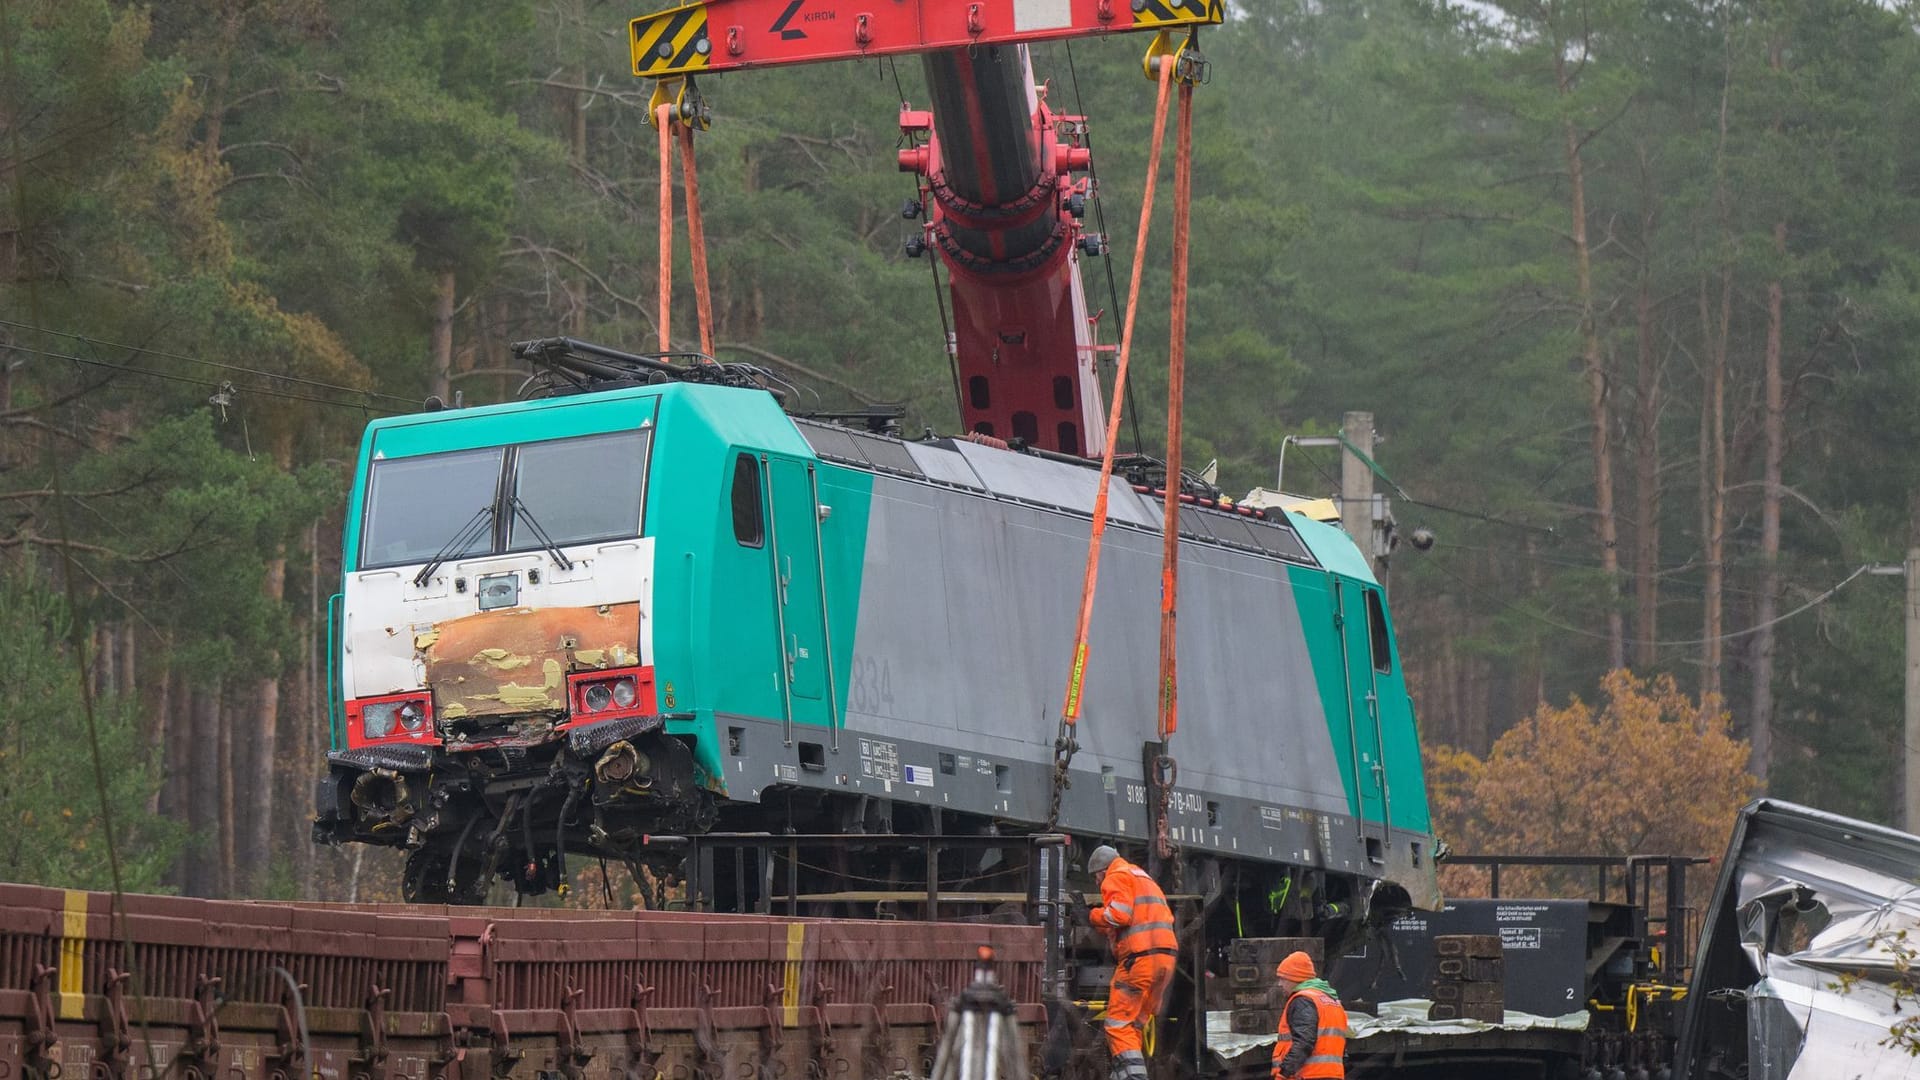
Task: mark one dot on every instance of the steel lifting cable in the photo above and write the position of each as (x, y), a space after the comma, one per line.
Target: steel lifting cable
(1166, 772)
(1064, 744)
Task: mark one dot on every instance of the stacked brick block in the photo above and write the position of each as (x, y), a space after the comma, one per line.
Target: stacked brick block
(1469, 978)
(1256, 1003)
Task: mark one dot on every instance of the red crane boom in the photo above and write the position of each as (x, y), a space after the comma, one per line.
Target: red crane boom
(1003, 190)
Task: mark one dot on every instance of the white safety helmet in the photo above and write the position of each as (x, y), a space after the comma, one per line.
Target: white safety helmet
(1101, 858)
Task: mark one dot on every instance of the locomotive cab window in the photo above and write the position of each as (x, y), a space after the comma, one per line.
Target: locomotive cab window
(418, 505)
(1377, 633)
(747, 527)
(504, 498)
(577, 490)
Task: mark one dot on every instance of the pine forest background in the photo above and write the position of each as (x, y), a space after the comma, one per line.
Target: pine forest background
(1631, 289)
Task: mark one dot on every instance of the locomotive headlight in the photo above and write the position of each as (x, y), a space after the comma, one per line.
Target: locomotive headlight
(378, 718)
(624, 693)
(598, 697)
(411, 716)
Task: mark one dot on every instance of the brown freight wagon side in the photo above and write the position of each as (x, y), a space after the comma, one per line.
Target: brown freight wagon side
(199, 989)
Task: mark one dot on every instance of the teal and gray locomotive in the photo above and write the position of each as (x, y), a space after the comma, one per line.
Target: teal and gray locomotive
(661, 604)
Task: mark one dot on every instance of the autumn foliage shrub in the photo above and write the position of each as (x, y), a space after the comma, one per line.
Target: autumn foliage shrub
(1649, 771)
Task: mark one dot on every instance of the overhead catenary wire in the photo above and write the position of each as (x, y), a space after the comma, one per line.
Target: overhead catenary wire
(189, 380)
(1665, 572)
(203, 361)
(1480, 515)
(1536, 557)
(1668, 575)
(1536, 616)
(1730, 636)
(1477, 515)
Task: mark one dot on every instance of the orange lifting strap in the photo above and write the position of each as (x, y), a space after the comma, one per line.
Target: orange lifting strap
(1176, 398)
(1168, 684)
(664, 121)
(1070, 711)
(696, 240)
(1165, 772)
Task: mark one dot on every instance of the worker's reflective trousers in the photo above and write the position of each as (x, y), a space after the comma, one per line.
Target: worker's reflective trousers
(1139, 984)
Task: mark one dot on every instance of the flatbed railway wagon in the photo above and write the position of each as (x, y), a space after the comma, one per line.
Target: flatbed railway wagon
(170, 988)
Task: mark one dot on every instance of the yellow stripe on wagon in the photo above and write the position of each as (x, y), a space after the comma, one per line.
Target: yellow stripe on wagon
(73, 946)
(796, 949)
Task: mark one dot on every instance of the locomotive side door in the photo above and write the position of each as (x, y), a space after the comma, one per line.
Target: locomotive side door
(793, 533)
(1360, 616)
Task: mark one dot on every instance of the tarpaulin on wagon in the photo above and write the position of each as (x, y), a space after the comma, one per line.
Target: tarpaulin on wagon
(1407, 1015)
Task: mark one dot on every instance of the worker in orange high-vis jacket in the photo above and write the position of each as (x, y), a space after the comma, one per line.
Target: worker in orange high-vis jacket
(1313, 1026)
(1134, 915)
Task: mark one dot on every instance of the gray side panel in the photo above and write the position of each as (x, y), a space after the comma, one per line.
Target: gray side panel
(1055, 483)
(944, 465)
(981, 666)
(934, 773)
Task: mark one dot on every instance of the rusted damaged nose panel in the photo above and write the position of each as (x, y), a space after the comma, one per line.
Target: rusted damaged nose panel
(498, 663)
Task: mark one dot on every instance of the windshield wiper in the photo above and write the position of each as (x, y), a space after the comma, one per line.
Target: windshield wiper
(481, 519)
(520, 509)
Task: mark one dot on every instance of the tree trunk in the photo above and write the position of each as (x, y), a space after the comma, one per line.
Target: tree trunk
(100, 675)
(1528, 687)
(440, 383)
(576, 305)
(227, 822)
(204, 787)
(258, 754)
(577, 117)
(129, 660)
(255, 753)
(1646, 482)
(1773, 453)
(1713, 480)
(1713, 420)
(175, 790)
(160, 741)
(1598, 408)
(313, 705)
(1646, 451)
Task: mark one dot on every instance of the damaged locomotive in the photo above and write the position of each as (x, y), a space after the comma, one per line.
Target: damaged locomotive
(645, 604)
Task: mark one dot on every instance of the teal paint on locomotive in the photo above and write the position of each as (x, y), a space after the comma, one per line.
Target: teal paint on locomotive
(723, 655)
